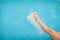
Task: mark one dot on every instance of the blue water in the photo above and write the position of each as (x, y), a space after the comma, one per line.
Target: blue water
(13, 18)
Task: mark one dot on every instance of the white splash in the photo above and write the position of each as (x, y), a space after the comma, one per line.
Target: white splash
(31, 19)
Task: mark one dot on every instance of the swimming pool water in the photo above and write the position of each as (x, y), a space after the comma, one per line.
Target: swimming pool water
(13, 19)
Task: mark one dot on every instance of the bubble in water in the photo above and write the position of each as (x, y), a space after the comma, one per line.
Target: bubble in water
(31, 19)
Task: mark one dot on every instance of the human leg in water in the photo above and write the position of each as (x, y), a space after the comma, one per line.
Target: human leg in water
(55, 35)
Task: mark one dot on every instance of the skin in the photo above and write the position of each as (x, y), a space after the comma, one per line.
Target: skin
(55, 35)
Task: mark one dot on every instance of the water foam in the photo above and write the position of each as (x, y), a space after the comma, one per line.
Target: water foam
(31, 19)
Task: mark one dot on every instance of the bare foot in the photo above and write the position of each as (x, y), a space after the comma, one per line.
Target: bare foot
(36, 16)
